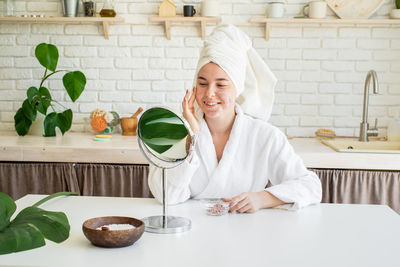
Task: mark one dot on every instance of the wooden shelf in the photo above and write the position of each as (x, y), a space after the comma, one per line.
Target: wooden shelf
(105, 21)
(179, 19)
(269, 21)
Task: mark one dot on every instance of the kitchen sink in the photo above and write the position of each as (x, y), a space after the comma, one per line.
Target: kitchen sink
(354, 146)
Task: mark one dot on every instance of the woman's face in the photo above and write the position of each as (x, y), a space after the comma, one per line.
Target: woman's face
(215, 91)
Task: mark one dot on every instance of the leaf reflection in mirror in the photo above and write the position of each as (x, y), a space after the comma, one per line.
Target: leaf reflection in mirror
(164, 134)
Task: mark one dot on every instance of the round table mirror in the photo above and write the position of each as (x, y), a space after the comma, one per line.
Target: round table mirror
(165, 140)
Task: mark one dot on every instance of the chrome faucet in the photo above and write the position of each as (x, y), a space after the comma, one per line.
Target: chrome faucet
(364, 125)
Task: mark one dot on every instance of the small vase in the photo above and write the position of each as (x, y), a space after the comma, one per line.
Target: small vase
(9, 8)
(394, 14)
(37, 127)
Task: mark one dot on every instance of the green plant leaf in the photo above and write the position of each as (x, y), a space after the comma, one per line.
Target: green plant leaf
(32, 225)
(15, 239)
(53, 225)
(64, 120)
(29, 111)
(50, 123)
(21, 122)
(61, 120)
(31, 93)
(74, 83)
(398, 4)
(44, 93)
(7, 209)
(47, 54)
(43, 100)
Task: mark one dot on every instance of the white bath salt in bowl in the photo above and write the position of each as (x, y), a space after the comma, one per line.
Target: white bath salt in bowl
(111, 227)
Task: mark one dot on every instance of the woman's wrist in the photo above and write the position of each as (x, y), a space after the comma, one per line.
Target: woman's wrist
(269, 200)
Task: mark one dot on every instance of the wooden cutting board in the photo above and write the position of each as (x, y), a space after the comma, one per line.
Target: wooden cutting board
(354, 9)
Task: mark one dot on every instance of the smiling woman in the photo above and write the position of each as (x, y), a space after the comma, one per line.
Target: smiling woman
(237, 153)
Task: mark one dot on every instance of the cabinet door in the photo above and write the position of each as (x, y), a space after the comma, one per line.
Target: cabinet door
(360, 187)
(20, 178)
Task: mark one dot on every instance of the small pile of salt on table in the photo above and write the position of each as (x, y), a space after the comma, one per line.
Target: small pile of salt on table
(112, 227)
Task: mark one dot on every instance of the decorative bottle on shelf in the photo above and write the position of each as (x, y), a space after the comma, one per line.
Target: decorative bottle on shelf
(9, 8)
(108, 9)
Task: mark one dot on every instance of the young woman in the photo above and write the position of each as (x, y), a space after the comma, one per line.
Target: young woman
(236, 155)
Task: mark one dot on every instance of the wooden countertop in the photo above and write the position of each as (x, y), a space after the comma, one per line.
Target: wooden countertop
(80, 147)
(72, 147)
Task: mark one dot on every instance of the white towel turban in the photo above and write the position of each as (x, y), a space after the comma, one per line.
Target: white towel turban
(232, 50)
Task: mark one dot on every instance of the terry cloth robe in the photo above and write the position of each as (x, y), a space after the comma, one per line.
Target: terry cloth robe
(255, 154)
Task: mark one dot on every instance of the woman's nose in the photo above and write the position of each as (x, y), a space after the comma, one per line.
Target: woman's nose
(210, 91)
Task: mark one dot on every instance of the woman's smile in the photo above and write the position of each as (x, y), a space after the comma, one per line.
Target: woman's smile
(211, 103)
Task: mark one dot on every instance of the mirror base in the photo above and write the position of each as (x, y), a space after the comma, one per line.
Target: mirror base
(172, 224)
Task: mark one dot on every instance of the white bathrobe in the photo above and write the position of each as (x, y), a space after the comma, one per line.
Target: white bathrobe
(255, 153)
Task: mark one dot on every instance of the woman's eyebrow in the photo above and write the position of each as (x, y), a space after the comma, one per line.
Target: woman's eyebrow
(218, 79)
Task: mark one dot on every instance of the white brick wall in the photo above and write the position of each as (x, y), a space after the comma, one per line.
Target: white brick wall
(321, 68)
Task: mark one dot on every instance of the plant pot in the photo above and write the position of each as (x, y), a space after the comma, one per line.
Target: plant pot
(37, 127)
(394, 14)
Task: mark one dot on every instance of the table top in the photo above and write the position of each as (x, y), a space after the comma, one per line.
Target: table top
(80, 147)
(320, 235)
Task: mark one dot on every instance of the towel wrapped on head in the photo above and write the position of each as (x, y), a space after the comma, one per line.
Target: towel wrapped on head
(231, 49)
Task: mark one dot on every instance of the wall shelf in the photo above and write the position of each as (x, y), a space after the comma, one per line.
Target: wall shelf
(179, 19)
(269, 21)
(105, 21)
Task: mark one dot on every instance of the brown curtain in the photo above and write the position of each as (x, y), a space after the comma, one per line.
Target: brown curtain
(19, 179)
(113, 180)
(360, 187)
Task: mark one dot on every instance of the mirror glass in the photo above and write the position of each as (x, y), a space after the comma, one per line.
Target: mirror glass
(164, 135)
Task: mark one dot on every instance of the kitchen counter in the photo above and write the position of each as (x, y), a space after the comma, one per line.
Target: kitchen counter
(80, 147)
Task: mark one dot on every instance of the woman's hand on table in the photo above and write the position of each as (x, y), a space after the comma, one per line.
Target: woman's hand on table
(189, 112)
(250, 202)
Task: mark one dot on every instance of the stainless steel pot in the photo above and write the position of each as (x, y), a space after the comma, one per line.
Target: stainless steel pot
(70, 8)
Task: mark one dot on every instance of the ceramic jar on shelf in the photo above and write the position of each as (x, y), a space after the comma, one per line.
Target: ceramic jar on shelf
(210, 8)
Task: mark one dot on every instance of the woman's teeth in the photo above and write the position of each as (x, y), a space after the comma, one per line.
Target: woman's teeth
(210, 104)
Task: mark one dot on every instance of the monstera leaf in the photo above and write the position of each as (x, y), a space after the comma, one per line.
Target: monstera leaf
(31, 226)
(160, 129)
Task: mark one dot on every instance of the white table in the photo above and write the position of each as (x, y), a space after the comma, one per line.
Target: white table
(321, 235)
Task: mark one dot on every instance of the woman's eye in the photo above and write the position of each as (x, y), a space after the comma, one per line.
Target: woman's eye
(221, 85)
(202, 84)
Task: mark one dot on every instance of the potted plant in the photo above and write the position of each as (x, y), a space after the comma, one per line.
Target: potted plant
(395, 13)
(39, 98)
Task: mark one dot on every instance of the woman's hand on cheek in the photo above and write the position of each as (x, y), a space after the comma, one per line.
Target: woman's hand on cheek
(189, 112)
